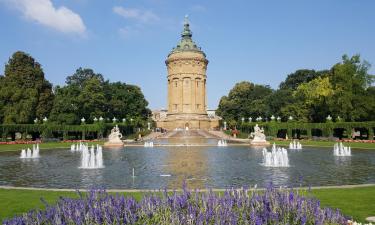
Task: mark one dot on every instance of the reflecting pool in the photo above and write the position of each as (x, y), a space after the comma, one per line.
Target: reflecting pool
(199, 166)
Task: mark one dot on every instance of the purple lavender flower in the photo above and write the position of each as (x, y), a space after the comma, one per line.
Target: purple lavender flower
(272, 206)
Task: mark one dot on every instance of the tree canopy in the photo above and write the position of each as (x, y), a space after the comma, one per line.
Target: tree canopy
(343, 91)
(24, 92)
(87, 95)
(244, 100)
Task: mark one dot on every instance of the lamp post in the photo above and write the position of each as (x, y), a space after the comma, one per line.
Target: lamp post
(95, 119)
(114, 120)
(45, 119)
(225, 125)
(329, 118)
(36, 120)
(278, 119)
(272, 117)
(101, 119)
(83, 120)
(242, 119)
(250, 119)
(123, 120)
(148, 126)
(290, 118)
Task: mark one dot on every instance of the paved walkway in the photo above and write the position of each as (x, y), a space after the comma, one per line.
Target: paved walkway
(152, 135)
(157, 190)
(225, 136)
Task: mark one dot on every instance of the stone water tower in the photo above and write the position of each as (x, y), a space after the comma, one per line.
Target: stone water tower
(187, 98)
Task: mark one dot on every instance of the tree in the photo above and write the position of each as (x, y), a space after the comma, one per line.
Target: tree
(293, 80)
(313, 97)
(125, 101)
(66, 106)
(83, 96)
(2, 102)
(370, 106)
(91, 99)
(24, 92)
(87, 95)
(82, 75)
(245, 99)
(297, 110)
(279, 99)
(350, 79)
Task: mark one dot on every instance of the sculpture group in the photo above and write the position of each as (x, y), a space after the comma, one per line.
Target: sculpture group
(259, 139)
(114, 138)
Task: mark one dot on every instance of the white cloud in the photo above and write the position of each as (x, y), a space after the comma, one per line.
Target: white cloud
(44, 12)
(144, 16)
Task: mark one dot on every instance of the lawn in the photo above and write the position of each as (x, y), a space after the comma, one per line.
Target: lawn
(358, 202)
(313, 143)
(327, 144)
(48, 145)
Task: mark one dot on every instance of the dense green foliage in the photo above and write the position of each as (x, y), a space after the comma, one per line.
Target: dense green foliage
(294, 128)
(244, 100)
(64, 131)
(25, 95)
(87, 95)
(344, 92)
(24, 92)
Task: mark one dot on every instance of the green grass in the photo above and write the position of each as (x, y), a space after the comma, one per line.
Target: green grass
(310, 142)
(48, 145)
(327, 144)
(358, 202)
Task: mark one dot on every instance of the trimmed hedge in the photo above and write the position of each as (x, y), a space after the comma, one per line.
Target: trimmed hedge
(46, 130)
(273, 127)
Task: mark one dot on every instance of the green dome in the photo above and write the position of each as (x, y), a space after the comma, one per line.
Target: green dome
(186, 44)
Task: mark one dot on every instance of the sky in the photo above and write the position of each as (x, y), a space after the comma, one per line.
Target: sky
(128, 40)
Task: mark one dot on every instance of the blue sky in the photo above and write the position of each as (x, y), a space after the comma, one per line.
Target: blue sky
(128, 40)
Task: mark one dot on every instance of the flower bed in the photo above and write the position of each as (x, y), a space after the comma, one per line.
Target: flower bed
(77, 141)
(272, 206)
(358, 141)
(19, 142)
(39, 141)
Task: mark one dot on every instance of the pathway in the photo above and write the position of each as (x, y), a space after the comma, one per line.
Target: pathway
(158, 190)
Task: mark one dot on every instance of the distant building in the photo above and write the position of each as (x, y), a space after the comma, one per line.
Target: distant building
(159, 114)
(187, 98)
(211, 113)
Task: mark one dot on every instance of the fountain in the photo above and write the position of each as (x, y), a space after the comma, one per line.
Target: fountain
(30, 154)
(340, 150)
(222, 143)
(278, 157)
(259, 139)
(148, 144)
(77, 147)
(91, 159)
(295, 145)
(114, 139)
